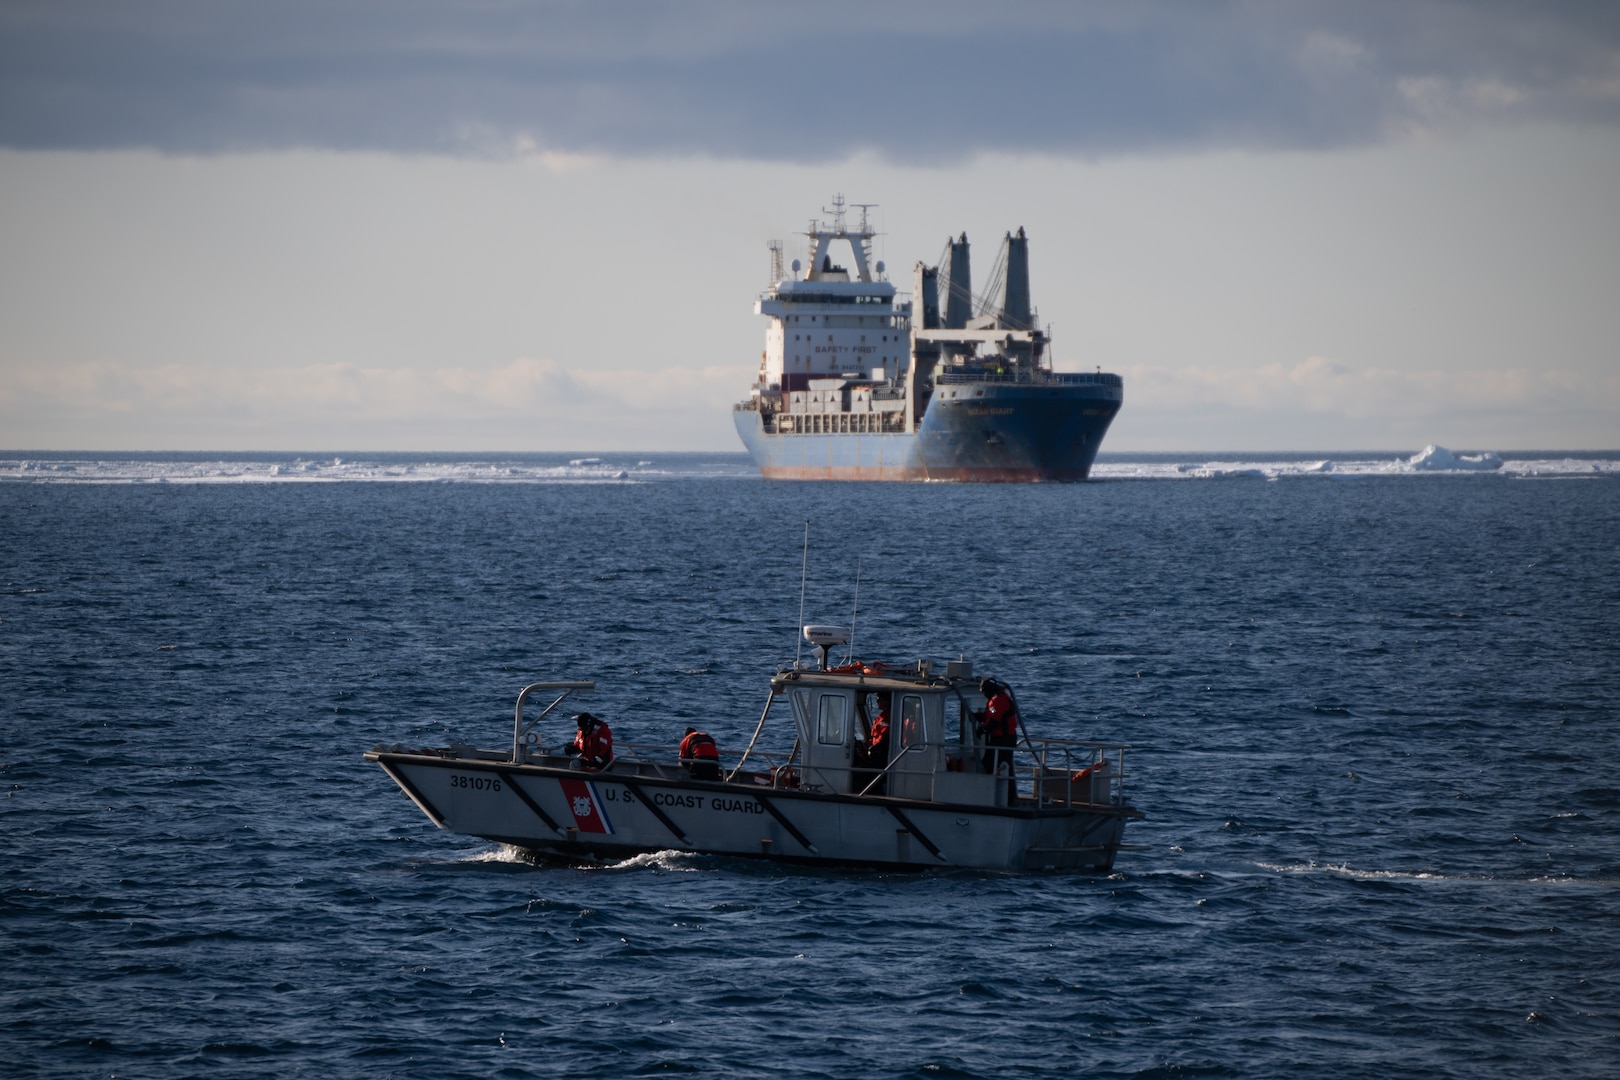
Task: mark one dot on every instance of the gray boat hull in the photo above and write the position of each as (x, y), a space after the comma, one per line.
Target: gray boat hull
(563, 812)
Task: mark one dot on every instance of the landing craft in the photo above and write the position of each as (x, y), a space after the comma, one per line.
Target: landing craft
(859, 382)
(931, 801)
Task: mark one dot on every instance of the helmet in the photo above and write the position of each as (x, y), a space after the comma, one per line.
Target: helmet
(584, 720)
(987, 687)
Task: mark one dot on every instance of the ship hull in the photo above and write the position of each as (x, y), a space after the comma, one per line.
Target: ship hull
(596, 817)
(1023, 433)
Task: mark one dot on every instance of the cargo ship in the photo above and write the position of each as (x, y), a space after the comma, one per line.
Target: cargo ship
(860, 382)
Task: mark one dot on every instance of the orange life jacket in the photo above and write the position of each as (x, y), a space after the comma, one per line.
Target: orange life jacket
(699, 747)
(1000, 719)
(595, 743)
(880, 732)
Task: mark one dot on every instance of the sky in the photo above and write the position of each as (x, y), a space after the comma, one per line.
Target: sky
(425, 226)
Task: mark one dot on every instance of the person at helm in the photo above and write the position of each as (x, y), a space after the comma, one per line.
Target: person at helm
(593, 744)
(1000, 730)
(700, 756)
(875, 754)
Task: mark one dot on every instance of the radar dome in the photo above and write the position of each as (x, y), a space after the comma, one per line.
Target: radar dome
(796, 266)
(880, 266)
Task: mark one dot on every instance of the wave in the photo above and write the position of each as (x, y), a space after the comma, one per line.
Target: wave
(500, 853)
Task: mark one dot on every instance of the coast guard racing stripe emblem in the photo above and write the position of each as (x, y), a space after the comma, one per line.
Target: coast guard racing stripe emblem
(586, 806)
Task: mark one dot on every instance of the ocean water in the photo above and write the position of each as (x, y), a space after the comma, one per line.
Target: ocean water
(1373, 703)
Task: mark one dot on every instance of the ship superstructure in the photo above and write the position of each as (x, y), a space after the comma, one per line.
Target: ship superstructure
(859, 382)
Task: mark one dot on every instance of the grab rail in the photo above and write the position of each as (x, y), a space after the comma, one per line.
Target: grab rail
(520, 731)
(1058, 768)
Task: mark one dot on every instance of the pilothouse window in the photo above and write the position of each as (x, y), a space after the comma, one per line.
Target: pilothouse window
(830, 722)
(911, 721)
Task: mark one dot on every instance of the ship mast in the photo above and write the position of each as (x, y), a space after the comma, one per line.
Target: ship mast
(823, 234)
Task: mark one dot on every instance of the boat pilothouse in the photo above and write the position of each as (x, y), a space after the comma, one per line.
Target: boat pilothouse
(830, 788)
(860, 382)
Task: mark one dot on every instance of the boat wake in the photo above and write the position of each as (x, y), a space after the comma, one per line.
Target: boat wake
(1344, 870)
(679, 862)
(500, 853)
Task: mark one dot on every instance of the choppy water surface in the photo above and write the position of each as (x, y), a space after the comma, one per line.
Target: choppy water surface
(1375, 728)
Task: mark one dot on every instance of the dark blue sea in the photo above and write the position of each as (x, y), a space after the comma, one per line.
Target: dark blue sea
(1374, 715)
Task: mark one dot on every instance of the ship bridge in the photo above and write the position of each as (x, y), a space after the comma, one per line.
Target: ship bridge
(827, 320)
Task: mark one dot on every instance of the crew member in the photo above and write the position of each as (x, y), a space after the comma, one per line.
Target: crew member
(700, 756)
(593, 744)
(877, 748)
(1000, 731)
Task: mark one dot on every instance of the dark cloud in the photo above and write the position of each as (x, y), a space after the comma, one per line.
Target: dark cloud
(916, 82)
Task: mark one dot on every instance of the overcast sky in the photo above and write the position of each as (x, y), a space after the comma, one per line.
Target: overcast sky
(502, 226)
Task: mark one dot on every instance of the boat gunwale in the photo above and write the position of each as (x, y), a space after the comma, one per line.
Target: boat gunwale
(506, 768)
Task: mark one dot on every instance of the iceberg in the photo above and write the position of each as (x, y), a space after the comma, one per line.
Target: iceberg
(1433, 458)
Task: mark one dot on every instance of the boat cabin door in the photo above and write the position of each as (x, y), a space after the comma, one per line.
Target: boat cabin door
(826, 721)
(920, 744)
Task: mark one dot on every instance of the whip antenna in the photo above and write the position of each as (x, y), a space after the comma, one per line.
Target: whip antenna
(849, 657)
(804, 566)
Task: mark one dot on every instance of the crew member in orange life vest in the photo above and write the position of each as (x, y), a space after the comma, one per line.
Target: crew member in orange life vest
(700, 756)
(593, 744)
(875, 754)
(878, 745)
(1000, 730)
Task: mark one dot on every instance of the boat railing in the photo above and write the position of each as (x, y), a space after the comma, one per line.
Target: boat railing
(1033, 375)
(892, 768)
(1085, 378)
(957, 378)
(1052, 771)
(1070, 771)
(662, 760)
(524, 735)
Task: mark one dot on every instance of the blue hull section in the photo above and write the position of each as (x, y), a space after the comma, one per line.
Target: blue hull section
(971, 432)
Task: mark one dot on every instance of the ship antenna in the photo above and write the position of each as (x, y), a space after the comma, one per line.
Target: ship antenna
(804, 566)
(849, 657)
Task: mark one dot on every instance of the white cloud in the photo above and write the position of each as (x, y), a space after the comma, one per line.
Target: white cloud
(541, 404)
(1322, 403)
(1319, 384)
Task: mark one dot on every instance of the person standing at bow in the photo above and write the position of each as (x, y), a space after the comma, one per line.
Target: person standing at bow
(700, 756)
(593, 744)
(1000, 730)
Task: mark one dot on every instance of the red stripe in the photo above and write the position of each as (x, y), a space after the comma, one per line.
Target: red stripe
(581, 799)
